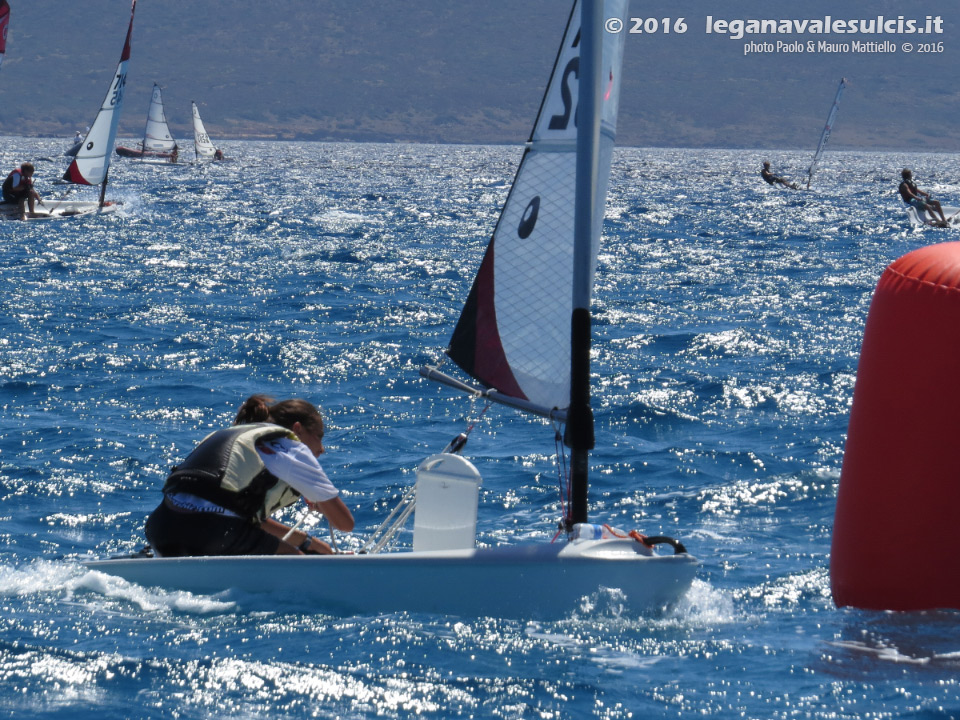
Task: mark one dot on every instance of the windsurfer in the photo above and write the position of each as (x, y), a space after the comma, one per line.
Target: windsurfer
(18, 188)
(918, 199)
(218, 501)
(772, 179)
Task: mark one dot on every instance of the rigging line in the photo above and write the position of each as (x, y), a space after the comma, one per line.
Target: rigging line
(296, 527)
(479, 418)
(303, 517)
(375, 542)
(333, 538)
(60, 199)
(563, 478)
(556, 444)
(389, 536)
(563, 471)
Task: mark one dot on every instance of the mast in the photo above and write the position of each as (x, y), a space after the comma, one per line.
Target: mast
(103, 189)
(827, 129)
(146, 125)
(196, 113)
(579, 435)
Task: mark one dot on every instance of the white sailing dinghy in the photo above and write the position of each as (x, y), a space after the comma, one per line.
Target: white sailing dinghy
(566, 164)
(827, 129)
(918, 219)
(157, 141)
(202, 147)
(91, 164)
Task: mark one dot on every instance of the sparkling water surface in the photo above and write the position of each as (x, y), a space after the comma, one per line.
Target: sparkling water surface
(728, 318)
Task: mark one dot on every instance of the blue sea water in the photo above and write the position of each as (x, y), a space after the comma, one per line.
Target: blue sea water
(728, 319)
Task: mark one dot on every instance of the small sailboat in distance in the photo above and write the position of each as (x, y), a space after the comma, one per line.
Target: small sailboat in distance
(91, 164)
(827, 129)
(553, 214)
(203, 148)
(157, 141)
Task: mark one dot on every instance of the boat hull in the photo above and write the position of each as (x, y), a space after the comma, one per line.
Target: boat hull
(138, 153)
(537, 581)
(54, 210)
(951, 213)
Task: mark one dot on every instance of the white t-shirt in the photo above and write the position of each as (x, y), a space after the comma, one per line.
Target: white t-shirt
(295, 464)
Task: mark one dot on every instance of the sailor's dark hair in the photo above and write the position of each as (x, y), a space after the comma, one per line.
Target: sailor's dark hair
(905, 173)
(286, 413)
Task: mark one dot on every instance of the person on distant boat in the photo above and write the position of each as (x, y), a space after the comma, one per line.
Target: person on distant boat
(218, 501)
(918, 199)
(772, 179)
(174, 154)
(218, 155)
(18, 188)
(78, 137)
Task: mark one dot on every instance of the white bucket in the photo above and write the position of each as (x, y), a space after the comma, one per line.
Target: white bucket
(448, 489)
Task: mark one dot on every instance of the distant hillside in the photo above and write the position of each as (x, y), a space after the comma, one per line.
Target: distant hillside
(462, 72)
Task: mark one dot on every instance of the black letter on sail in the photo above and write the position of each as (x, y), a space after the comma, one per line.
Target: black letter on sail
(560, 122)
(529, 218)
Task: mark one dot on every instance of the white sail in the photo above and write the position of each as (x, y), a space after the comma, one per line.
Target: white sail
(4, 25)
(827, 129)
(156, 135)
(514, 333)
(92, 161)
(201, 141)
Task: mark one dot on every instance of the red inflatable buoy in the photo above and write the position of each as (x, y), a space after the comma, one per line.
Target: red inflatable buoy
(896, 534)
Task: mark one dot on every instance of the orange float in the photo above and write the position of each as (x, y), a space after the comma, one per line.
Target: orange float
(897, 525)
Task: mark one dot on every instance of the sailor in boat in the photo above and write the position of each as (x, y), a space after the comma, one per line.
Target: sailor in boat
(218, 155)
(18, 188)
(174, 154)
(918, 199)
(772, 179)
(218, 501)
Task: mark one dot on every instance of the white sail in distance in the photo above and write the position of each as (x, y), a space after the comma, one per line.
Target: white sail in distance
(92, 161)
(201, 141)
(827, 129)
(514, 333)
(156, 135)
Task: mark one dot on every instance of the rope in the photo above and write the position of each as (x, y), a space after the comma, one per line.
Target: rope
(303, 517)
(59, 200)
(563, 473)
(480, 417)
(373, 544)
